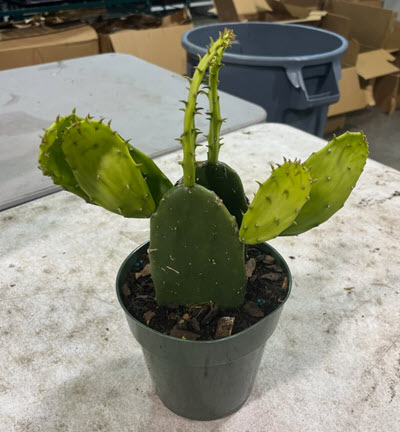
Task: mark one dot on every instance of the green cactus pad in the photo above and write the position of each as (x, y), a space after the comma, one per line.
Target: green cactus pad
(225, 182)
(335, 170)
(195, 252)
(156, 180)
(276, 203)
(51, 157)
(101, 163)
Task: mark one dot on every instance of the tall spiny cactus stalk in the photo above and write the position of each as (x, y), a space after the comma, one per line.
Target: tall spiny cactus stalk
(213, 174)
(189, 135)
(215, 119)
(198, 229)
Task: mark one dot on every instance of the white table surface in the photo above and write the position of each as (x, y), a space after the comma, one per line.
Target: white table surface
(142, 100)
(69, 362)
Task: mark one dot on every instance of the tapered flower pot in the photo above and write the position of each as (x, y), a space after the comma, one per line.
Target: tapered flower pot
(203, 380)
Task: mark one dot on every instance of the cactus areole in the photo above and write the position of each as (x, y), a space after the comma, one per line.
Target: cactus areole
(199, 228)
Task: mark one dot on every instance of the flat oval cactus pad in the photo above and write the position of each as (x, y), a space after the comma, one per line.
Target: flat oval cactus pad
(195, 252)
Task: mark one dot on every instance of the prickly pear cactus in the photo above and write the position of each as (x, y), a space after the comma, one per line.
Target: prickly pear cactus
(226, 183)
(104, 169)
(52, 160)
(89, 159)
(277, 203)
(335, 170)
(156, 180)
(193, 237)
(195, 252)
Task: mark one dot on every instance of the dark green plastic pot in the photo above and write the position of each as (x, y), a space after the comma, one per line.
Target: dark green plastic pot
(203, 380)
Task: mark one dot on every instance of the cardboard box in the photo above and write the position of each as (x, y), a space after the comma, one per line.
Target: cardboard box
(30, 46)
(335, 123)
(370, 30)
(337, 23)
(352, 97)
(160, 46)
(376, 63)
(387, 92)
(368, 89)
(369, 25)
(288, 11)
(374, 3)
(241, 10)
(292, 8)
(313, 19)
(352, 53)
(392, 39)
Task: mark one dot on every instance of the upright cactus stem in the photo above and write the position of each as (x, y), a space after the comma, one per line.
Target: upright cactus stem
(216, 121)
(189, 135)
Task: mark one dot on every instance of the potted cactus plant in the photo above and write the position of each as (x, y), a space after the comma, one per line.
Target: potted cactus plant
(200, 232)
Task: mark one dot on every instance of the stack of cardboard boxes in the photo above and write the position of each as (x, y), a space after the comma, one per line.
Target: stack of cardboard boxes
(371, 65)
(34, 44)
(155, 40)
(160, 45)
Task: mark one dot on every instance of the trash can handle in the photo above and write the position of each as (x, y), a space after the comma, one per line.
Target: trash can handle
(295, 76)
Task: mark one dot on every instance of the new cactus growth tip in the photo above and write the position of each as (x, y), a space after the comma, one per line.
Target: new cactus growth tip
(199, 228)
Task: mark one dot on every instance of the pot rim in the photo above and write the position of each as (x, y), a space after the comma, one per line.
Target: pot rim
(228, 338)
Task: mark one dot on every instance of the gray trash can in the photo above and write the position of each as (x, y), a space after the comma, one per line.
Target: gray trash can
(292, 71)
